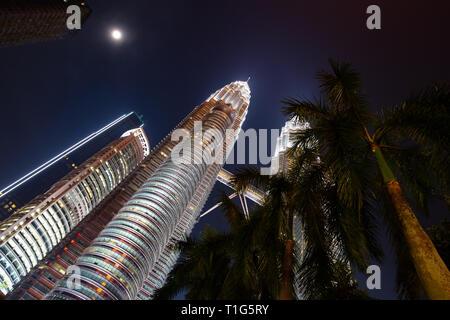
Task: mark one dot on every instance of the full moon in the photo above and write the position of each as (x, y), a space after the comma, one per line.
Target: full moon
(116, 35)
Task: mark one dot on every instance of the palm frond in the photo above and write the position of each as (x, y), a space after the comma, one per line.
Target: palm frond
(342, 88)
(423, 118)
(247, 176)
(419, 179)
(304, 110)
(233, 214)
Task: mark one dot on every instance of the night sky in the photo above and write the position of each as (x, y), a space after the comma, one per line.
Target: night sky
(176, 53)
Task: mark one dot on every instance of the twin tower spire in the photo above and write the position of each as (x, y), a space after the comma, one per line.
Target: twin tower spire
(106, 231)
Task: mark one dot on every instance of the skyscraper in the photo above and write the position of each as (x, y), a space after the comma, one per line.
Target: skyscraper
(25, 21)
(39, 180)
(280, 165)
(133, 254)
(45, 275)
(38, 227)
(280, 161)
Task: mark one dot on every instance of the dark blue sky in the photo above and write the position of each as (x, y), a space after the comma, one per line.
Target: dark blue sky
(176, 53)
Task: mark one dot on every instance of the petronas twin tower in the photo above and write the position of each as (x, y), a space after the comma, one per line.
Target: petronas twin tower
(145, 202)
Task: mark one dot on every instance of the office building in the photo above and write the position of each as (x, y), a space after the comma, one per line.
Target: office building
(33, 231)
(38, 181)
(134, 253)
(25, 21)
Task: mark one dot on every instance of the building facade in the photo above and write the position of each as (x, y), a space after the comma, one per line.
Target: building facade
(31, 233)
(44, 277)
(18, 193)
(132, 256)
(24, 21)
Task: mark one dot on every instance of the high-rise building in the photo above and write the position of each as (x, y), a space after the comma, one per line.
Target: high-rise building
(280, 164)
(38, 181)
(45, 275)
(38, 227)
(25, 21)
(133, 254)
(43, 278)
(280, 161)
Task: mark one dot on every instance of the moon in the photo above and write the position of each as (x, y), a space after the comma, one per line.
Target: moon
(116, 35)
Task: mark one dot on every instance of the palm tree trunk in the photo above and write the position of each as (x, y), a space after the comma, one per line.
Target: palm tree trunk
(431, 269)
(287, 274)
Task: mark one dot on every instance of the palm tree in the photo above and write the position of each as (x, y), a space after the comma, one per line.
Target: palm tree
(440, 234)
(343, 287)
(202, 266)
(278, 212)
(226, 265)
(331, 231)
(340, 129)
(251, 261)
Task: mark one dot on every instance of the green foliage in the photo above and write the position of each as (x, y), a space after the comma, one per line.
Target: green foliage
(233, 265)
(440, 235)
(343, 286)
(416, 137)
(195, 269)
(335, 191)
(414, 140)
